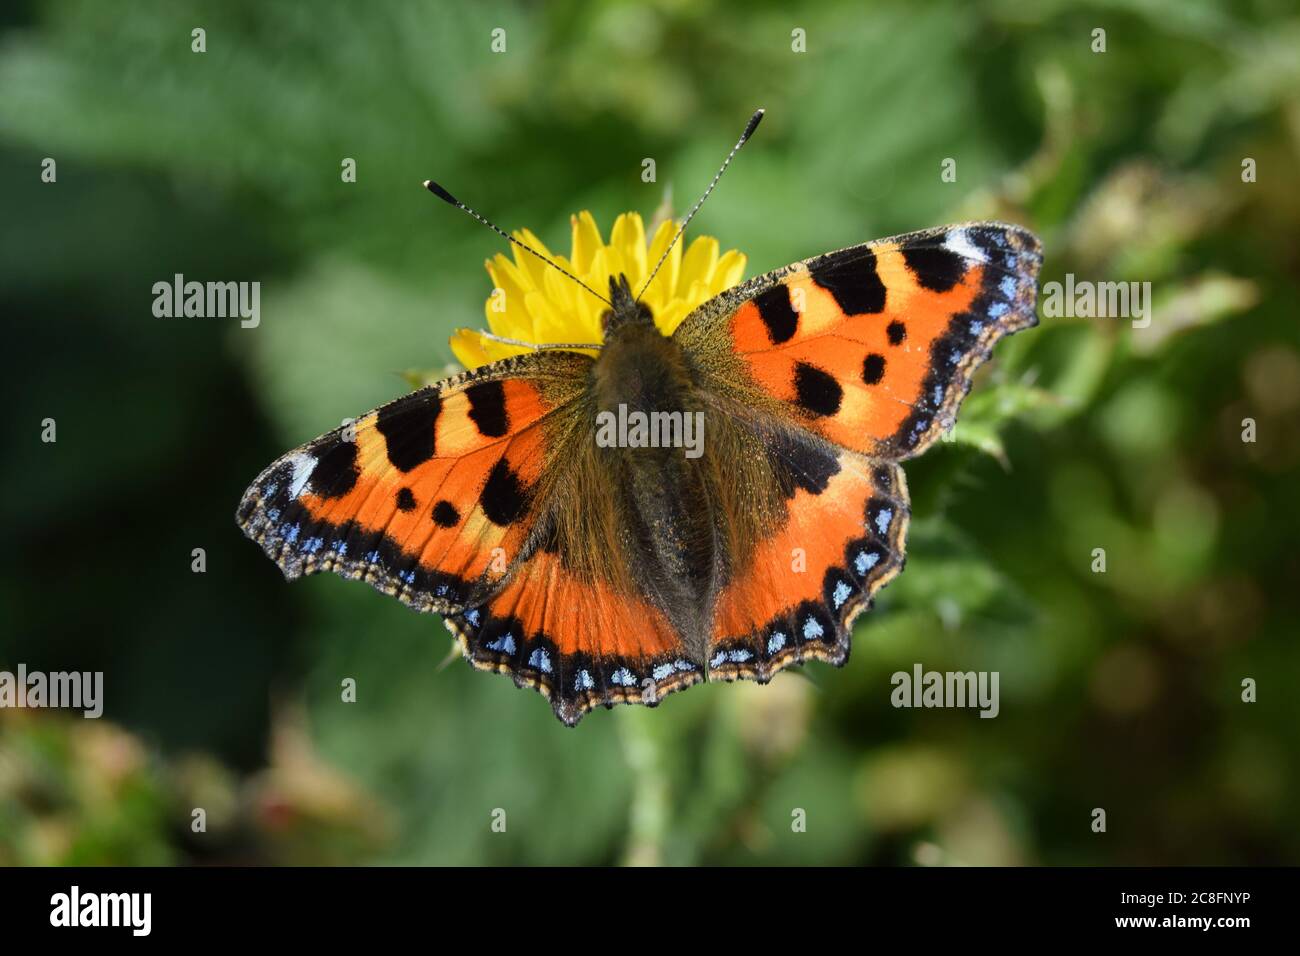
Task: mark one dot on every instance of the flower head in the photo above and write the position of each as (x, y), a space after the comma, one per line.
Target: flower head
(533, 303)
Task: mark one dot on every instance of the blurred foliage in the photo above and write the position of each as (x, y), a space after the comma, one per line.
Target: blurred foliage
(1119, 690)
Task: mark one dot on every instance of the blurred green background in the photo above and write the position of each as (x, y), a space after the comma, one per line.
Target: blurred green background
(1119, 690)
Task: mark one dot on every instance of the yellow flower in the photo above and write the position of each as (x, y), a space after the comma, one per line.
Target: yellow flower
(533, 303)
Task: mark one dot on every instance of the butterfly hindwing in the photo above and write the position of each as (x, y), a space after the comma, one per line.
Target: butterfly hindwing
(842, 539)
(873, 347)
(580, 643)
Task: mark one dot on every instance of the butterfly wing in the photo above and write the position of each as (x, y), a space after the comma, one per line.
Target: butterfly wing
(841, 539)
(482, 498)
(847, 364)
(581, 642)
(872, 347)
(429, 498)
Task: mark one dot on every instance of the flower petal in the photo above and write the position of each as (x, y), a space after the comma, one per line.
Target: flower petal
(628, 237)
(542, 306)
(728, 272)
(667, 319)
(473, 350)
(514, 322)
(664, 286)
(698, 262)
(586, 240)
(527, 262)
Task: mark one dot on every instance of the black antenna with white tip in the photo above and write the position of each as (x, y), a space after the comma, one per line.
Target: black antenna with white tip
(749, 131)
(447, 197)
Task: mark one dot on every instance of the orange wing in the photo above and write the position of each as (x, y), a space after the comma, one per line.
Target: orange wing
(428, 498)
(873, 347)
(843, 541)
(434, 499)
(869, 352)
(579, 643)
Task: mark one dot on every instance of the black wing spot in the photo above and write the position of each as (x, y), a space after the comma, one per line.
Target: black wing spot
(504, 498)
(897, 332)
(445, 515)
(934, 267)
(853, 282)
(487, 408)
(336, 471)
(873, 368)
(408, 427)
(797, 463)
(405, 500)
(817, 390)
(777, 313)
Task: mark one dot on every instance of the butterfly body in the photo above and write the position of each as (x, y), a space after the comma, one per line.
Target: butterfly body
(601, 571)
(646, 492)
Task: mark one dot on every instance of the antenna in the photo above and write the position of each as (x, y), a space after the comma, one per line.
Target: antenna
(749, 131)
(445, 196)
(596, 346)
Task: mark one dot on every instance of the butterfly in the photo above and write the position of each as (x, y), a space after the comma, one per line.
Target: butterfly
(604, 572)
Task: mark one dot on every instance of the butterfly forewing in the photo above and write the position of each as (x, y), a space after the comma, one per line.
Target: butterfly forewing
(429, 498)
(873, 347)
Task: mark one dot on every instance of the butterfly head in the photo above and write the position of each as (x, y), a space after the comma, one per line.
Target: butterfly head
(624, 310)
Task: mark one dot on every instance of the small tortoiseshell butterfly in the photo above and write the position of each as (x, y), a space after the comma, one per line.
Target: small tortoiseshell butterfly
(604, 575)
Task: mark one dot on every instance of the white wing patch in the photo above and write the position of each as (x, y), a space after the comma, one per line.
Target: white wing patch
(303, 465)
(957, 241)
